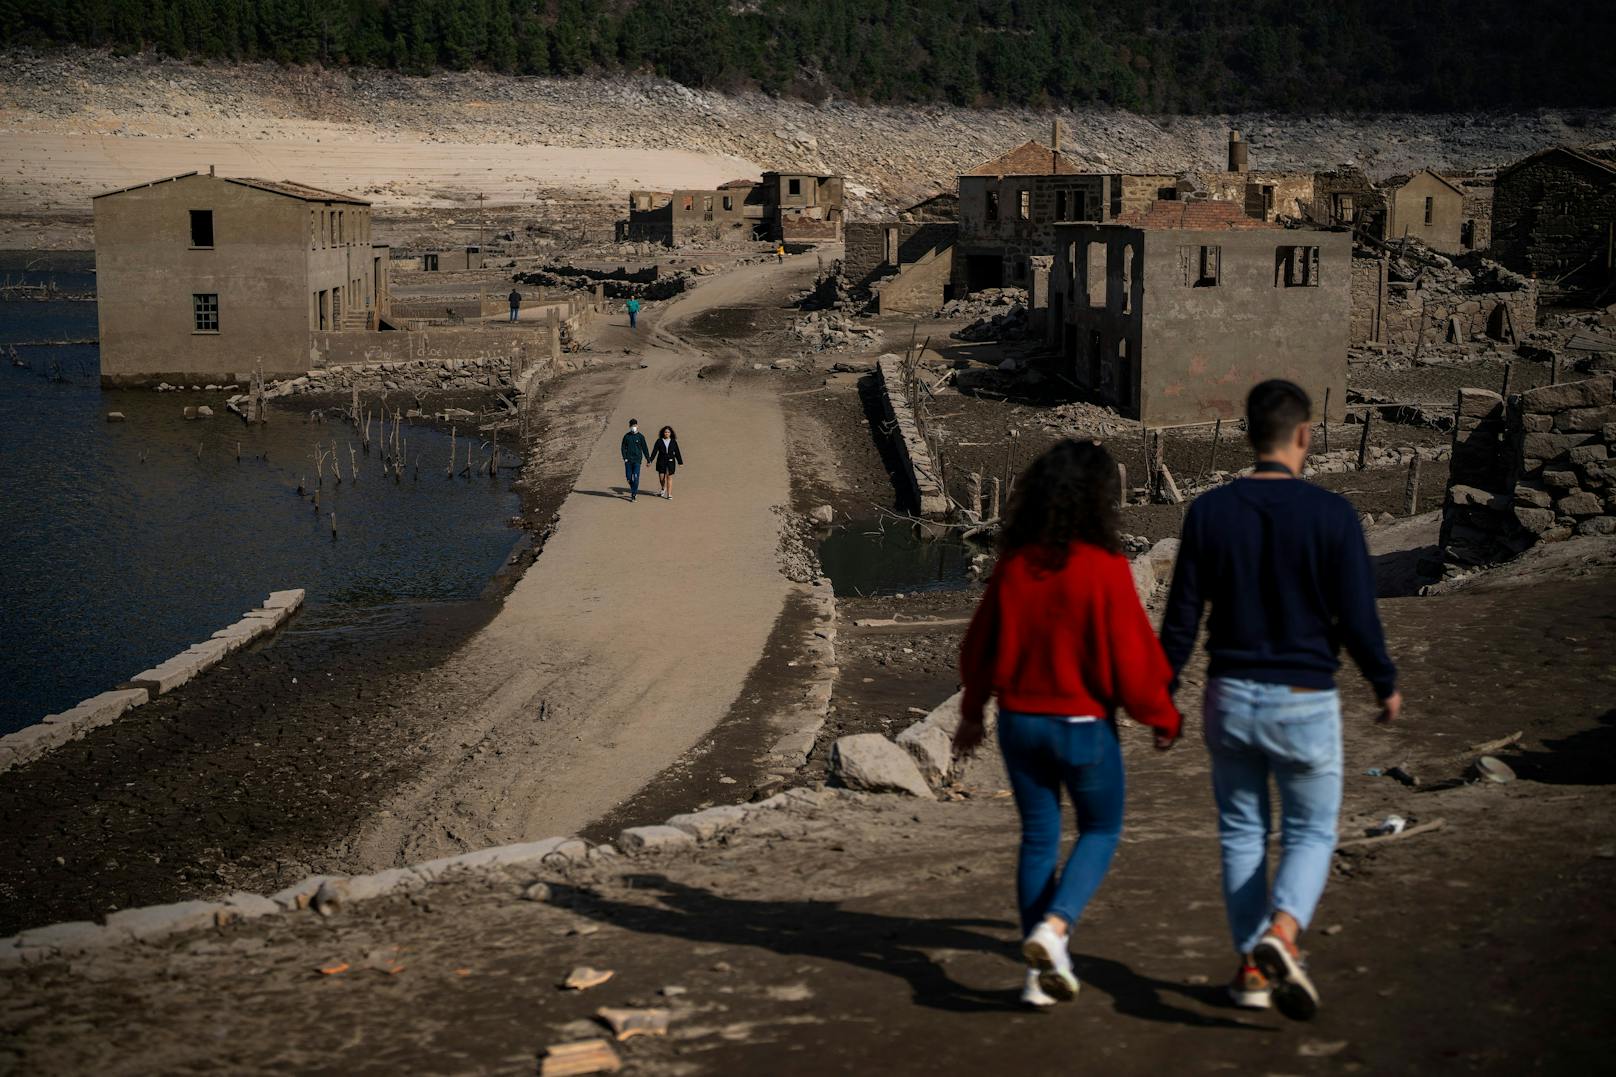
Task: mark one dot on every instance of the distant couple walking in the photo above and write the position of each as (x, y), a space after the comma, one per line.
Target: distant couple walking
(664, 455)
(1061, 638)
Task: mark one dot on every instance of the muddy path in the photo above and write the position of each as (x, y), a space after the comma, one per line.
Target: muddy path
(847, 933)
(631, 636)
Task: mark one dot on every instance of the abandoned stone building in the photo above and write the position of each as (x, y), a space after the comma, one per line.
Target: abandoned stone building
(1172, 313)
(209, 277)
(906, 263)
(1554, 217)
(785, 206)
(1426, 207)
(1008, 210)
(1009, 206)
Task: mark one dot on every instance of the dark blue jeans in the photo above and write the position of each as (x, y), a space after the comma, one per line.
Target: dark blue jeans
(633, 316)
(631, 472)
(1044, 754)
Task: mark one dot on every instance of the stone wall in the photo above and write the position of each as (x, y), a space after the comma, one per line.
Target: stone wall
(1534, 468)
(923, 485)
(1444, 306)
(1552, 216)
(1368, 299)
(866, 250)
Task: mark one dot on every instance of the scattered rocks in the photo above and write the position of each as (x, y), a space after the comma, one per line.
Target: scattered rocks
(834, 330)
(584, 977)
(870, 763)
(640, 839)
(626, 1024)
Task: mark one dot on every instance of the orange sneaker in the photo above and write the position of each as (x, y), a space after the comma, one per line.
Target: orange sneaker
(1281, 962)
(1250, 989)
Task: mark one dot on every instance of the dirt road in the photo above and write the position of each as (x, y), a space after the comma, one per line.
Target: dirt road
(849, 934)
(631, 636)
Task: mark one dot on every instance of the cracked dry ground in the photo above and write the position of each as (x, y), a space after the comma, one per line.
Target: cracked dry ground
(876, 933)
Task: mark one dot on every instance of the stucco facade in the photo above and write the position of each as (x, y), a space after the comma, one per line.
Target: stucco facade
(1173, 314)
(1428, 208)
(206, 277)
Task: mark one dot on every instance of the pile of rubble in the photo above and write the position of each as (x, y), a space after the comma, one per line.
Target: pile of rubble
(1079, 417)
(416, 377)
(983, 304)
(1001, 314)
(649, 283)
(834, 331)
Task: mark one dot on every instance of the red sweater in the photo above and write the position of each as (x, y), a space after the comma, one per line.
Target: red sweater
(1071, 640)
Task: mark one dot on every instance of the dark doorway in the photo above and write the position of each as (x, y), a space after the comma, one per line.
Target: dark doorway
(983, 271)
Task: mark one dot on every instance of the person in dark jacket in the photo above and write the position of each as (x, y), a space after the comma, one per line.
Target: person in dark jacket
(516, 304)
(1062, 640)
(666, 458)
(635, 453)
(1284, 567)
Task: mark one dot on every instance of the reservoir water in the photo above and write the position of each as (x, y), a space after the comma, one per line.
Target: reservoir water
(127, 542)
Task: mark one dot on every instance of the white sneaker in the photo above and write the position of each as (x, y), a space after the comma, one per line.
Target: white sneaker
(1047, 954)
(1033, 995)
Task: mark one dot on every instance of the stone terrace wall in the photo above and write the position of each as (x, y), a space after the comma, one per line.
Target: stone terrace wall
(1535, 468)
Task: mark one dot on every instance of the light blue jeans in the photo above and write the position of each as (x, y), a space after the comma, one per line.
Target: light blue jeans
(1253, 731)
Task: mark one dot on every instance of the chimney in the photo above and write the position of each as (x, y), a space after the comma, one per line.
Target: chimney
(210, 170)
(1237, 152)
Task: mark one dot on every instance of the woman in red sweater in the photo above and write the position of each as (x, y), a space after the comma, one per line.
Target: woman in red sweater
(1062, 640)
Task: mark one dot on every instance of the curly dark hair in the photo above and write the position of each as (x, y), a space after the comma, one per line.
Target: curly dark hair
(1071, 493)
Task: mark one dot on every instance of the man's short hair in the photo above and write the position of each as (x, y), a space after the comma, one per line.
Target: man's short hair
(1274, 409)
(634, 422)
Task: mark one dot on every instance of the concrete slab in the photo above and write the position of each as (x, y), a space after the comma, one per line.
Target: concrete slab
(163, 679)
(32, 741)
(101, 709)
(284, 600)
(159, 921)
(74, 937)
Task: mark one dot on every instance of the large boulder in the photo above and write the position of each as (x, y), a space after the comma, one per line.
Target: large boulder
(871, 763)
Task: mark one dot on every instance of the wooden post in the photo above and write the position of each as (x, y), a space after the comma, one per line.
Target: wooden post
(993, 498)
(1326, 418)
(1554, 369)
(1363, 439)
(973, 493)
(1212, 458)
(1122, 483)
(451, 452)
(1509, 368)
(333, 526)
(1169, 487)
(1411, 493)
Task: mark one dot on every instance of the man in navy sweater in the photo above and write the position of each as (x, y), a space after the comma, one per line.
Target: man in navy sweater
(1283, 564)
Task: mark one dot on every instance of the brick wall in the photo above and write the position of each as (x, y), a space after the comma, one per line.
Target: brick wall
(1534, 468)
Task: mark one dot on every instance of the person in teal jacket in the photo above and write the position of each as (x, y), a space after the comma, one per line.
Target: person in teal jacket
(633, 311)
(635, 453)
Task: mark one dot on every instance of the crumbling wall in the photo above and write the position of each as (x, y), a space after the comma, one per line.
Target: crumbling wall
(1535, 468)
(1444, 303)
(866, 252)
(1368, 299)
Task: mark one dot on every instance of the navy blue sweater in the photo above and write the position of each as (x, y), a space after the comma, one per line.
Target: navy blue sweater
(1284, 566)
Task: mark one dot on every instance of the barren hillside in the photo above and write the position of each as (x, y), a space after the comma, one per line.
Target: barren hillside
(73, 123)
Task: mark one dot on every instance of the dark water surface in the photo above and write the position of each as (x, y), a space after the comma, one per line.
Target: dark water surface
(886, 557)
(123, 546)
